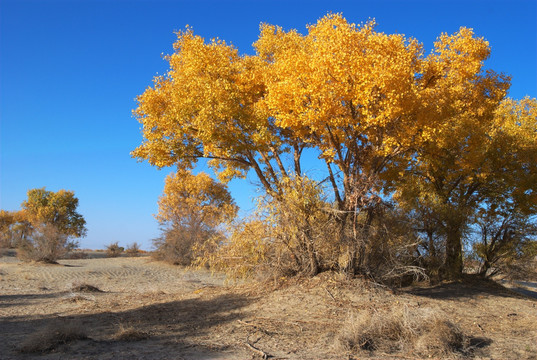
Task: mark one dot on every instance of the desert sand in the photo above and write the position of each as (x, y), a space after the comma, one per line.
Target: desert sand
(151, 310)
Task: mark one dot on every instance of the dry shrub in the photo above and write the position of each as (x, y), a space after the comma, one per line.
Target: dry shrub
(386, 247)
(422, 332)
(114, 250)
(177, 244)
(518, 270)
(129, 333)
(75, 298)
(293, 233)
(46, 243)
(85, 288)
(299, 232)
(133, 250)
(52, 336)
(302, 228)
(244, 254)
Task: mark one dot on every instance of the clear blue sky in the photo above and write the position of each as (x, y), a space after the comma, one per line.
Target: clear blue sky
(70, 72)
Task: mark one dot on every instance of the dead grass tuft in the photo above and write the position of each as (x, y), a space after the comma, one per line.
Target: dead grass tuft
(85, 288)
(75, 298)
(418, 331)
(129, 333)
(50, 337)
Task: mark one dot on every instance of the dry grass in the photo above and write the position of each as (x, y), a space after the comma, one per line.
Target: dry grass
(400, 330)
(129, 333)
(51, 337)
(75, 298)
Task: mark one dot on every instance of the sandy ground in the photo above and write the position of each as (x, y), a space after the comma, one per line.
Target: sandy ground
(192, 315)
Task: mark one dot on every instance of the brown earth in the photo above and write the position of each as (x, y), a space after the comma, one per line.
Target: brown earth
(151, 310)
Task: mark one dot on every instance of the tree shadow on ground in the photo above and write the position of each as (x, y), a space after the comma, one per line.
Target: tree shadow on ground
(469, 287)
(21, 299)
(176, 325)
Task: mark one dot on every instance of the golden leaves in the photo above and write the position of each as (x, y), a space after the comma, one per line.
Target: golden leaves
(194, 200)
(361, 97)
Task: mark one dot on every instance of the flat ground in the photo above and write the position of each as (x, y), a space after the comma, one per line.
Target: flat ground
(151, 310)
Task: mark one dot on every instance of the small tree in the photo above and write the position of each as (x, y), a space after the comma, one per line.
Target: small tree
(190, 212)
(57, 208)
(44, 228)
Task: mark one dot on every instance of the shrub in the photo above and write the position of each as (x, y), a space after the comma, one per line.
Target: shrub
(423, 332)
(293, 233)
(83, 287)
(298, 232)
(129, 333)
(50, 337)
(45, 243)
(133, 249)
(177, 244)
(114, 250)
(244, 254)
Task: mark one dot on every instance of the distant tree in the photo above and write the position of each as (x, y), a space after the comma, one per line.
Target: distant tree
(55, 208)
(7, 220)
(45, 226)
(14, 227)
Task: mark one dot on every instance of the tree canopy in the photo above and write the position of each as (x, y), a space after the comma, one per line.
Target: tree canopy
(55, 208)
(384, 118)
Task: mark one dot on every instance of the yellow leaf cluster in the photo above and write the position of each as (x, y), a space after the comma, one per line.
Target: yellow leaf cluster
(195, 200)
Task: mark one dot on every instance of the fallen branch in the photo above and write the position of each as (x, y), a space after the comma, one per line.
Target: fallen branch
(257, 351)
(329, 293)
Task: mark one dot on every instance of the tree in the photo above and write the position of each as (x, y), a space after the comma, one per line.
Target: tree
(55, 208)
(371, 105)
(506, 219)
(191, 210)
(480, 170)
(43, 229)
(7, 220)
(14, 227)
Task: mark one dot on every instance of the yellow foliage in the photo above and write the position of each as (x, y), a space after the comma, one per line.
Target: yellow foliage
(54, 208)
(195, 200)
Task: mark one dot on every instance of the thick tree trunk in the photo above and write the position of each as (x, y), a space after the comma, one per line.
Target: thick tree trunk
(485, 268)
(453, 264)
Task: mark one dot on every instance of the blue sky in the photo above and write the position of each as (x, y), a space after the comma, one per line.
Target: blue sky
(70, 72)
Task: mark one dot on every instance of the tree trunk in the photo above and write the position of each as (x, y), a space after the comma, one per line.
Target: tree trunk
(365, 242)
(310, 246)
(453, 264)
(485, 267)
